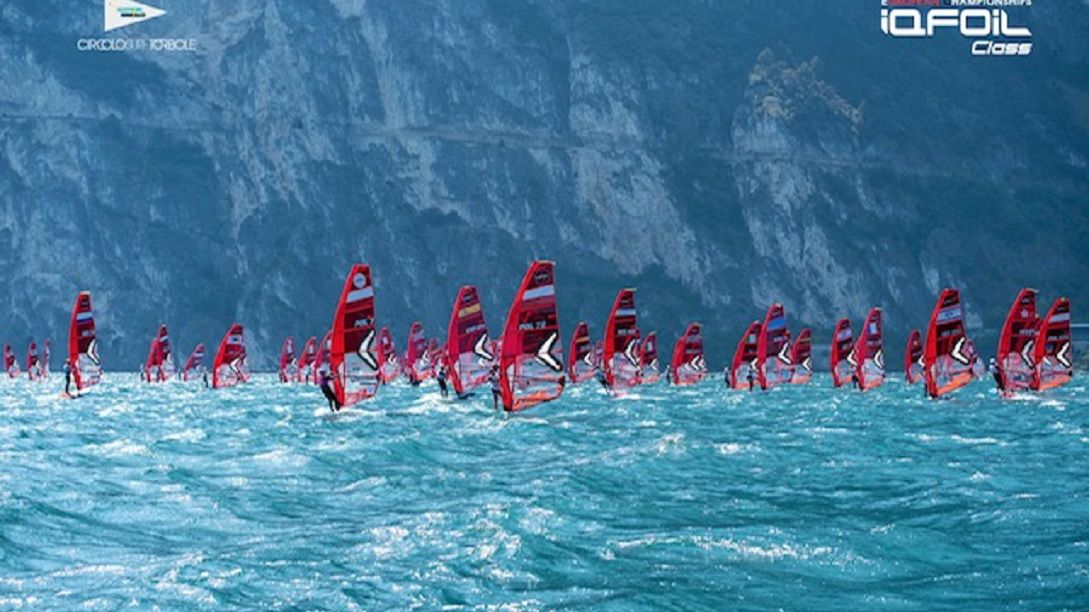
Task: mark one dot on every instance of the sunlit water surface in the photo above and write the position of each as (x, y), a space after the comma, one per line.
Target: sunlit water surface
(803, 497)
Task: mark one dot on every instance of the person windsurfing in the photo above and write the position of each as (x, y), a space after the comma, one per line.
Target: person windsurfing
(497, 388)
(67, 378)
(751, 377)
(328, 392)
(997, 373)
(440, 377)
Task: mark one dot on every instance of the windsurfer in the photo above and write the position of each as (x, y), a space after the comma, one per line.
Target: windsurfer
(328, 392)
(67, 377)
(440, 377)
(997, 373)
(751, 377)
(497, 389)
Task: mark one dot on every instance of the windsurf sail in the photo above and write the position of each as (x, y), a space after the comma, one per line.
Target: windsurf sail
(83, 344)
(417, 359)
(352, 357)
(773, 364)
(288, 371)
(648, 359)
(913, 358)
(11, 363)
(230, 367)
(599, 353)
(46, 353)
(468, 351)
(321, 357)
(531, 359)
(33, 366)
(621, 359)
(687, 365)
(389, 364)
(580, 356)
(194, 366)
(869, 352)
(304, 365)
(948, 358)
(1017, 344)
(742, 374)
(802, 355)
(1054, 355)
(159, 366)
(843, 361)
(434, 356)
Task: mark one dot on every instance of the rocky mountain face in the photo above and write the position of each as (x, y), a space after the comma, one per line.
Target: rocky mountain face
(717, 156)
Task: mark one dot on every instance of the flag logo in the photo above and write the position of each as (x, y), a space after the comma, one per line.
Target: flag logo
(120, 13)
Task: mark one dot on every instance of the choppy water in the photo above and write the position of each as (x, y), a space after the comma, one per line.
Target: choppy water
(800, 498)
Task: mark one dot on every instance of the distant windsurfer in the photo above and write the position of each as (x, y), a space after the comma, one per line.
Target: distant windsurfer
(997, 373)
(751, 377)
(328, 392)
(602, 379)
(67, 377)
(440, 377)
(497, 389)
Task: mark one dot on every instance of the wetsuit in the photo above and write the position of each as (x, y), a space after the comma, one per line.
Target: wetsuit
(67, 379)
(441, 379)
(329, 393)
(497, 390)
(752, 380)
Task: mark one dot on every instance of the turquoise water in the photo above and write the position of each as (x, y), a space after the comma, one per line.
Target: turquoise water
(700, 498)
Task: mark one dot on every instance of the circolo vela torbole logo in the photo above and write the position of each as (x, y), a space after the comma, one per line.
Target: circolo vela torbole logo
(123, 13)
(988, 24)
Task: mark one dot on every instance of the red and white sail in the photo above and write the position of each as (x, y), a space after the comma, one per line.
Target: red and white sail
(743, 365)
(801, 353)
(870, 353)
(83, 344)
(230, 367)
(580, 356)
(435, 356)
(531, 358)
(194, 365)
(1054, 356)
(843, 360)
(33, 365)
(389, 363)
(687, 365)
(468, 351)
(913, 358)
(417, 359)
(321, 357)
(621, 358)
(353, 358)
(648, 360)
(773, 362)
(11, 363)
(288, 370)
(1017, 344)
(948, 357)
(304, 364)
(159, 366)
(47, 351)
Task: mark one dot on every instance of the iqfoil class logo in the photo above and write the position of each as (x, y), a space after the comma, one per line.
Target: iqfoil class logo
(122, 13)
(987, 24)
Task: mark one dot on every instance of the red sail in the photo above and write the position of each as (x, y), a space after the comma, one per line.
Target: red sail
(802, 356)
(687, 365)
(580, 357)
(230, 367)
(913, 358)
(417, 359)
(389, 365)
(321, 357)
(288, 371)
(304, 365)
(621, 358)
(33, 366)
(1054, 355)
(869, 352)
(83, 344)
(435, 357)
(1016, 344)
(352, 357)
(159, 366)
(468, 353)
(743, 365)
(11, 364)
(648, 360)
(599, 353)
(531, 360)
(842, 353)
(194, 366)
(948, 357)
(773, 364)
